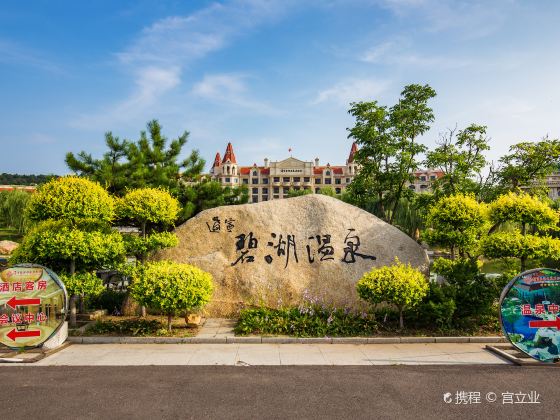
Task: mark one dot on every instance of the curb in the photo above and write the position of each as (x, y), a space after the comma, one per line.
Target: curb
(283, 340)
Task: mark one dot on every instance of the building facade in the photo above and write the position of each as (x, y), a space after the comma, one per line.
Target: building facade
(274, 180)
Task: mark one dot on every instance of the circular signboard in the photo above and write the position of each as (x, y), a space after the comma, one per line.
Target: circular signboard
(530, 315)
(33, 304)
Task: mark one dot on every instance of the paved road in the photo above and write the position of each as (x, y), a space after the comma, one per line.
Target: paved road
(228, 392)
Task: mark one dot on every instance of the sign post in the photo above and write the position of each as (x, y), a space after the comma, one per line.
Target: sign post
(33, 304)
(530, 313)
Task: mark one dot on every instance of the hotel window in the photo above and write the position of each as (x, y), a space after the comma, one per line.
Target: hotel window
(255, 181)
(265, 190)
(255, 190)
(328, 181)
(412, 187)
(228, 180)
(285, 179)
(286, 190)
(245, 181)
(254, 173)
(337, 181)
(317, 180)
(432, 177)
(265, 181)
(276, 190)
(423, 187)
(276, 196)
(338, 190)
(297, 179)
(255, 199)
(306, 179)
(422, 178)
(328, 173)
(348, 180)
(265, 198)
(276, 179)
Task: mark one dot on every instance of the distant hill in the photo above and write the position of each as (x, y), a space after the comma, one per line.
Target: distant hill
(16, 179)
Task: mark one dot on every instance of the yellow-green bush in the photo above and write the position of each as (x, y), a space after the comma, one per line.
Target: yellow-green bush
(399, 284)
(171, 287)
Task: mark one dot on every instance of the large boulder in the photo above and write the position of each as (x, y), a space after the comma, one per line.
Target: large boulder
(276, 252)
(7, 247)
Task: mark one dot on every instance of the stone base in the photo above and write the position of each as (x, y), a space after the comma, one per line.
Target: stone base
(58, 339)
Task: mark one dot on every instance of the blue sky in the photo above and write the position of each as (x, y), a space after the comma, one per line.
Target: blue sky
(266, 75)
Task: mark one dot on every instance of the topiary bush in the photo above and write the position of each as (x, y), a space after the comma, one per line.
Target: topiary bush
(399, 284)
(170, 287)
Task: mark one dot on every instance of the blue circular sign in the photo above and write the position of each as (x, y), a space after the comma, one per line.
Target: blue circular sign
(530, 313)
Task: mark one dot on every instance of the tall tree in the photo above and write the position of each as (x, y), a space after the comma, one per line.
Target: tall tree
(150, 162)
(528, 164)
(460, 156)
(389, 149)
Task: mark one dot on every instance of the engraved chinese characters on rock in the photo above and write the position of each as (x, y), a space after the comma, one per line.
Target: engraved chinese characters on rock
(284, 246)
(215, 225)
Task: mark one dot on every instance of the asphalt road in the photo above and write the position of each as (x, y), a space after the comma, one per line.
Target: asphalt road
(226, 392)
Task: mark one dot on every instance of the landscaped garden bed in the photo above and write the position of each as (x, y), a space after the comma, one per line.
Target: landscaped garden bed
(129, 326)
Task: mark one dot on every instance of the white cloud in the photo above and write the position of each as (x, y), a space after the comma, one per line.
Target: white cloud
(351, 90)
(230, 89)
(157, 58)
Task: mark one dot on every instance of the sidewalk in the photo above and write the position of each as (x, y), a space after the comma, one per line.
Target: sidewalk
(272, 354)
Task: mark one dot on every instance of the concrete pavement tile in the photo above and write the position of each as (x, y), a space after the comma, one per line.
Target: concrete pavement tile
(344, 354)
(301, 354)
(214, 354)
(418, 340)
(259, 354)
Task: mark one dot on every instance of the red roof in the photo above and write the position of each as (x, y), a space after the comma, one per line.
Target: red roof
(246, 170)
(353, 151)
(229, 155)
(217, 160)
(337, 170)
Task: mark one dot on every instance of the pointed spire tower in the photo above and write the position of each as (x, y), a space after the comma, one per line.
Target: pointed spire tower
(229, 162)
(350, 164)
(217, 164)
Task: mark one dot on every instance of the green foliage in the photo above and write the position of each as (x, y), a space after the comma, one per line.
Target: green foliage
(398, 284)
(71, 198)
(141, 246)
(473, 293)
(209, 194)
(170, 287)
(524, 209)
(460, 155)
(144, 206)
(299, 193)
(16, 179)
(127, 327)
(389, 149)
(108, 299)
(83, 284)
(149, 162)
(308, 321)
(12, 209)
(508, 244)
(528, 164)
(456, 222)
(57, 244)
(436, 310)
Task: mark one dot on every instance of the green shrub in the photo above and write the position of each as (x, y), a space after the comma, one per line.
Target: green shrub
(436, 310)
(170, 287)
(399, 284)
(127, 327)
(110, 300)
(474, 294)
(305, 321)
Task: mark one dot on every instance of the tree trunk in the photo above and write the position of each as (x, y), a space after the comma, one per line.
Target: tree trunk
(73, 311)
(169, 319)
(72, 267)
(143, 311)
(82, 304)
(129, 306)
(401, 321)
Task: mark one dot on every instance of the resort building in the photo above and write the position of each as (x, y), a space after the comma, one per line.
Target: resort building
(273, 180)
